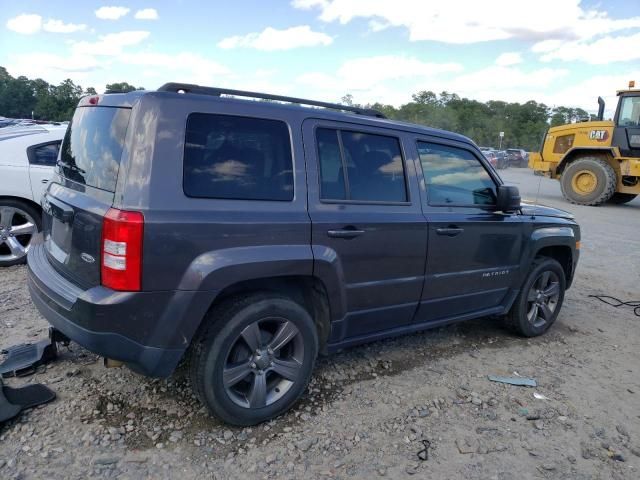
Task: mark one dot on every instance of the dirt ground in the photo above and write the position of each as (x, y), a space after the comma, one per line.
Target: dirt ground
(369, 409)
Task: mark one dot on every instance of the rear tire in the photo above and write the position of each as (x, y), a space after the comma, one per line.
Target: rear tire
(19, 222)
(253, 358)
(538, 303)
(620, 198)
(588, 181)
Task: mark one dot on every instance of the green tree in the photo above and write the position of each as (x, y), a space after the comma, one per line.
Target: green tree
(121, 87)
(17, 97)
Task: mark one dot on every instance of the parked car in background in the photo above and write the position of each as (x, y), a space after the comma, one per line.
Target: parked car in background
(501, 159)
(517, 157)
(27, 157)
(492, 157)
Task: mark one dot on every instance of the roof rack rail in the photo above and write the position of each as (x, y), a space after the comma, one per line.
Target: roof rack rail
(215, 91)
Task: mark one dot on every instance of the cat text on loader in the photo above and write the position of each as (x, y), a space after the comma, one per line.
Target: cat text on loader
(596, 161)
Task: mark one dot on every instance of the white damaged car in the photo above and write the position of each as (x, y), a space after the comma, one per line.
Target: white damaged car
(28, 156)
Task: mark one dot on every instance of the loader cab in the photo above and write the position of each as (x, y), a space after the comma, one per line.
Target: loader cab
(626, 132)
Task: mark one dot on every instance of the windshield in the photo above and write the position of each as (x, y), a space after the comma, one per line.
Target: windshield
(92, 146)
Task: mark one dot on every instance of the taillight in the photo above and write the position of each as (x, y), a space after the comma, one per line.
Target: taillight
(122, 250)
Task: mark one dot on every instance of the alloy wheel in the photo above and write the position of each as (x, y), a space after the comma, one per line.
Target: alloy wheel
(263, 362)
(542, 299)
(17, 228)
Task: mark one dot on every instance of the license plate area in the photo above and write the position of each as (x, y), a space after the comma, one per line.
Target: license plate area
(58, 229)
(58, 241)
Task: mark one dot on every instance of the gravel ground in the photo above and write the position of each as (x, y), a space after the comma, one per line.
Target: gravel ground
(369, 409)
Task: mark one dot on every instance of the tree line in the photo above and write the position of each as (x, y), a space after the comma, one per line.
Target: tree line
(24, 98)
(523, 124)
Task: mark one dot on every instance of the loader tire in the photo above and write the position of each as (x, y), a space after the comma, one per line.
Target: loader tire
(588, 181)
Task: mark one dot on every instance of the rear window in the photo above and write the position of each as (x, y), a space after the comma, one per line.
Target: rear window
(92, 146)
(239, 158)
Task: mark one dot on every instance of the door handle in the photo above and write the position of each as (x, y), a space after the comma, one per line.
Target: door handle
(44, 180)
(449, 231)
(345, 233)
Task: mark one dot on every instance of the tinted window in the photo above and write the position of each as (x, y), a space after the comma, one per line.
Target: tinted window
(371, 170)
(44, 154)
(455, 176)
(237, 158)
(332, 184)
(92, 146)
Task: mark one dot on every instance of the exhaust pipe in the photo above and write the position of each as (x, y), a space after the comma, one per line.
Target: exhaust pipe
(600, 108)
(111, 363)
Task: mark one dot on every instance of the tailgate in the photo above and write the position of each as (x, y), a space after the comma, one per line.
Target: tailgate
(82, 192)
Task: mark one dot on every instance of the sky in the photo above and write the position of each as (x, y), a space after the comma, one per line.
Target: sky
(560, 52)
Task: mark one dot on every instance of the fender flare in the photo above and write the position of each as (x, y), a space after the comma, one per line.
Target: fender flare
(214, 271)
(555, 236)
(566, 158)
(328, 269)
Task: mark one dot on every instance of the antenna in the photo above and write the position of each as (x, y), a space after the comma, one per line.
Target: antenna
(535, 204)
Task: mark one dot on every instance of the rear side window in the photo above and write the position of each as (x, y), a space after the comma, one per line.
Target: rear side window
(45, 154)
(454, 176)
(360, 166)
(237, 158)
(92, 146)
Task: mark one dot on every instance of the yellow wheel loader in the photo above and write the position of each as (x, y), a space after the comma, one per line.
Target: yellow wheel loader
(596, 161)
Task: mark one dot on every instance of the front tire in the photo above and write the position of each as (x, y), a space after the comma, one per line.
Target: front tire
(19, 222)
(588, 181)
(254, 358)
(538, 304)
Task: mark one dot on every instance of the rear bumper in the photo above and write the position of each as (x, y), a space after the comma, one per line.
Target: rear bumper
(149, 331)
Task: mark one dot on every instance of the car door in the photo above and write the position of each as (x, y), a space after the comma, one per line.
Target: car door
(42, 160)
(365, 213)
(473, 251)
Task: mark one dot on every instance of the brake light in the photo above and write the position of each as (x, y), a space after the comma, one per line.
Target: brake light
(122, 250)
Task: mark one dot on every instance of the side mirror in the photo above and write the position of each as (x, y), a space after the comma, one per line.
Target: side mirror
(508, 199)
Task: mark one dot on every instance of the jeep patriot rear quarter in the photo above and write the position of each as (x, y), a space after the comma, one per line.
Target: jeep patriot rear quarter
(249, 236)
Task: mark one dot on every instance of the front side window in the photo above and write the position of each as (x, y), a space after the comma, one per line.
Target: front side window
(46, 154)
(239, 158)
(454, 176)
(360, 166)
(629, 112)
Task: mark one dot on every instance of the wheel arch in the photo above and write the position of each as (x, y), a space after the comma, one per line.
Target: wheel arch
(563, 255)
(25, 200)
(558, 243)
(306, 290)
(605, 153)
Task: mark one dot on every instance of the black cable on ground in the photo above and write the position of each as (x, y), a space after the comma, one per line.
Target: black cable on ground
(616, 302)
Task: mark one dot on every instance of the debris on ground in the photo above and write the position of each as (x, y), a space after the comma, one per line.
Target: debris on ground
(518, 381)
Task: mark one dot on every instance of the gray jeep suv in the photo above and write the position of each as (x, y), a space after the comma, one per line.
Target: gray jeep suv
(248, 236)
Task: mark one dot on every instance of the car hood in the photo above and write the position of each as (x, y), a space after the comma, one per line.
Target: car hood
(544, 211)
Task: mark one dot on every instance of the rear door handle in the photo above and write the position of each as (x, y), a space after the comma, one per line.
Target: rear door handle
(346, 233)
(449, 231)
(44, 180)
